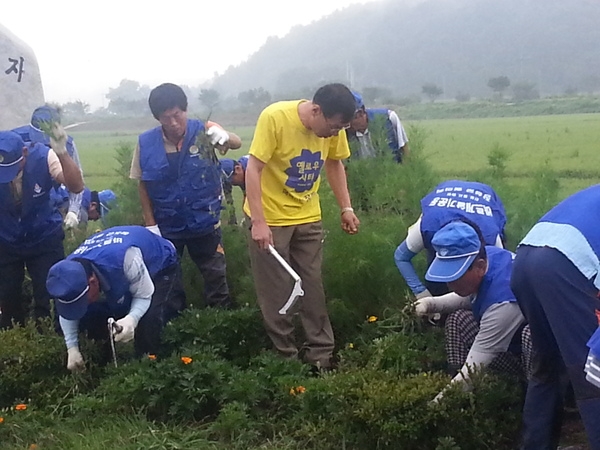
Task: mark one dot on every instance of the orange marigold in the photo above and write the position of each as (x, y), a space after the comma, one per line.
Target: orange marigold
(300, 389)
(372, 319)
(21, 407)
(1, 419)
(152, 357)
(186, 359)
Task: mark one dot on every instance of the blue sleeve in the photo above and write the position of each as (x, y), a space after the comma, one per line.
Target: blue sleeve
(403, 257)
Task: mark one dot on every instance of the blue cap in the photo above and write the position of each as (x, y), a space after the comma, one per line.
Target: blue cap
(11, 155)
(358, 100)
(67, 283)
(456, 247)
(244, 161)
(227, 167)
(107, 199)
(41, 115)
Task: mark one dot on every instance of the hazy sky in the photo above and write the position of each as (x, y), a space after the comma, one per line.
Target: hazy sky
(85, 47)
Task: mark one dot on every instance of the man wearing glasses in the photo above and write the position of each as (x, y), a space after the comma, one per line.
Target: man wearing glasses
(292, 142)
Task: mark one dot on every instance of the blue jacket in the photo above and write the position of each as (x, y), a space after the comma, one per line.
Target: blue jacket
(185, 187)
(455, 199)
(106, 251)
(37, 217)
(495, 286)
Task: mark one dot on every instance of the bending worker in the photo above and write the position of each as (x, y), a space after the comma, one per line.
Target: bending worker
(478, 277)
(139, 274)
(449, 200)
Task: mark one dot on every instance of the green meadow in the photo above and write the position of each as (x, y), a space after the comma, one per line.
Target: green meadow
(568, 144)
(456, 148)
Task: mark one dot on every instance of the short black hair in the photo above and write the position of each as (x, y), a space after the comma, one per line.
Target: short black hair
(165, 97)
(334, 99)
(94, 197)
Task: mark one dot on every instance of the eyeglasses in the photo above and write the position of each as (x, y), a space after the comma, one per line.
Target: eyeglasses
(337, 127)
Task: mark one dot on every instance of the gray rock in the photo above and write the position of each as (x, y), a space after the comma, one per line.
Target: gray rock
(20, 82)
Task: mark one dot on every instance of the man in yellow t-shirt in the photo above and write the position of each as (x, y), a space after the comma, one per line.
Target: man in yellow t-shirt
(293, 142)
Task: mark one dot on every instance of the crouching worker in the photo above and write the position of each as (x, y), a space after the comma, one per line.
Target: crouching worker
(139, 274)
(478, 277)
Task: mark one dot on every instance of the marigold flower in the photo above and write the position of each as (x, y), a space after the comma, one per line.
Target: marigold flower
(1, 419)
(21, 407)
(33, 447)
(372, 319)
(292, 391)
(350, 345)
(152, 357)
(186, 359)
(300, 389)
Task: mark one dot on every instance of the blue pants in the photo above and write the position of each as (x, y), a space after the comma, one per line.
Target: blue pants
(560, 304)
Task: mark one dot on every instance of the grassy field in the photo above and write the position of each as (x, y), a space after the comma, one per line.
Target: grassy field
(568, 144)
(456, 148)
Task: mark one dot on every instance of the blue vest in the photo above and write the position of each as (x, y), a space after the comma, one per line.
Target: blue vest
(390, 129)
(36, 218)
(106, 251)
(25, 134)
(455, 199)
(582, 211)
(185, 189)
(495, 286)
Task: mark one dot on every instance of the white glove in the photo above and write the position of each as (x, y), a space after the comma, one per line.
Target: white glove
(74, 360)
(154, 229)
(128, 324)
(424, 306)
(217, 135)
(71, 220)
(443, 304)
(425, 293)
(58, 139)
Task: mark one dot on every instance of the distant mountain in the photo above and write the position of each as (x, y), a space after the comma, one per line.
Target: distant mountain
(456, 44)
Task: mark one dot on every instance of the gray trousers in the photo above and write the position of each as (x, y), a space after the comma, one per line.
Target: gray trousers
(302, 247)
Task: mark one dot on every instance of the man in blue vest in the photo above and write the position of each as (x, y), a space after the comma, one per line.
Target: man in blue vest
(449, 200)
(478, 277)
(33, 133)
(361, 138)
(234, 174)
(180, 185)
(31, 233)
(556, 281)
(138, 274)
(94, 205)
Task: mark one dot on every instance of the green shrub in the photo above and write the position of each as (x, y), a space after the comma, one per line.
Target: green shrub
(236, 335)
(30, 362)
